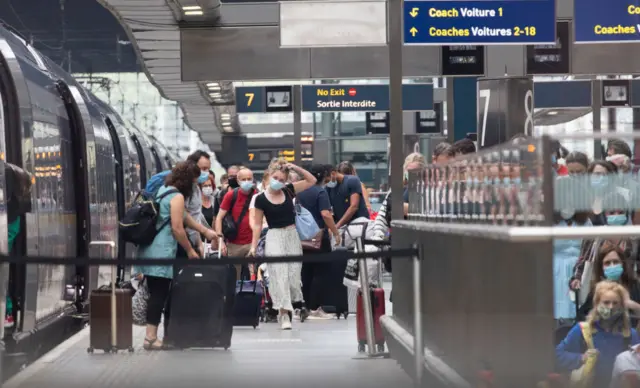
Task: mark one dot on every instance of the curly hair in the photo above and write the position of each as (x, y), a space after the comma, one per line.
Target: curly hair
(182, 176)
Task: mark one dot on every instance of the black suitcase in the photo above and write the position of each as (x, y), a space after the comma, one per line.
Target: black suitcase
(248, 298)
(336, 300)
(202, 303)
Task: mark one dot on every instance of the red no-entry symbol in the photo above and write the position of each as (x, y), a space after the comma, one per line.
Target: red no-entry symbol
(352, 92)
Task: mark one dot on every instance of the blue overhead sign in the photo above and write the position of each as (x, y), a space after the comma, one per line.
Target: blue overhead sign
(613, 21)
(480, 22)
(364, 98)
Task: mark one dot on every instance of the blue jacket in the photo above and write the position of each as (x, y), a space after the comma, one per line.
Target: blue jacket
(569, 352)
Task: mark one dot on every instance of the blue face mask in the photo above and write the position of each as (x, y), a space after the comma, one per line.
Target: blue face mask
(617, 219)
(275, 184)
(203, 177)
(598, 181)
(613, 272)
(486, 180)
(517, 180)
(246, 186)
(332, 184)
(553, 159)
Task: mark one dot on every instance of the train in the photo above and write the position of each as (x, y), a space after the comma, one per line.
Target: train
(87, 165)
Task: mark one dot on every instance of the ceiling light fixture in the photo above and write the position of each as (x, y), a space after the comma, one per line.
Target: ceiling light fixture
(213, 84)
(194, 13)
(192, 8)
(225, 116)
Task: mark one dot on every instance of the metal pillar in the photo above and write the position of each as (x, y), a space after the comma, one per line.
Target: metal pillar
(418, 343)
(297, 123)
(596, 109)
(396, 157)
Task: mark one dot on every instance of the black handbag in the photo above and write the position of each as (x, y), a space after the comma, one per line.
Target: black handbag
(229, 225)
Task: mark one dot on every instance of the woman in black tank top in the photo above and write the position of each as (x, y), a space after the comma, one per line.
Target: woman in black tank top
(276, 204)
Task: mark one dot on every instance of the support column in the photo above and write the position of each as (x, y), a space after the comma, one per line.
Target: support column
(462, 94)
(505, 109)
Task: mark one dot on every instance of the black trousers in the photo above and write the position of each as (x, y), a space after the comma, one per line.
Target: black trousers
(316, 278)
(158, 296)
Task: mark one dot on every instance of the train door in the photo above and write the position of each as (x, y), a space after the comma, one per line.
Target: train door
(81, 186)
(12, 279)
(156, 157)
(143, 163)
(120, 187)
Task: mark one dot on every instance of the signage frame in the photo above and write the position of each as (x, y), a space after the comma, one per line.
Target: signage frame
(521, 30)
(448, 69)
(564, 39)
(378, 90)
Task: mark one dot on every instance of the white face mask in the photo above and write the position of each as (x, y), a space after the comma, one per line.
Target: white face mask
(207, 190)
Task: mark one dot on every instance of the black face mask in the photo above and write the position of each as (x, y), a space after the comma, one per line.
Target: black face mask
(233, 182)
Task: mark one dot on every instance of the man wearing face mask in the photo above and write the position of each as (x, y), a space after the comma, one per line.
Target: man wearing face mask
(194, 203)
(236, 202)
(345, 194)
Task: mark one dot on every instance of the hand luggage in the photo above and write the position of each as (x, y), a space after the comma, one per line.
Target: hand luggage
(110, 315)
(378, 310)
(248, 298)
(202, 301)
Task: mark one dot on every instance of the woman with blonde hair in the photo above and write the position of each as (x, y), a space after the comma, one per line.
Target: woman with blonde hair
(276, 205)
(591, 347)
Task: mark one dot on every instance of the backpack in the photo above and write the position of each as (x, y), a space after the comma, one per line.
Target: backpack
(138, 226)
(229, 225)
(154, 184)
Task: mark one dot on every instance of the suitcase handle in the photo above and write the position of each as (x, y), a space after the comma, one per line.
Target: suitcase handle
(114, 309)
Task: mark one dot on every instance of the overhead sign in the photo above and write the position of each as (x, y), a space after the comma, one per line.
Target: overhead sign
(333, 24)
(552, 58)
(263, 99)
(364, 98)
(479, 22)
(462, 60)
(612, 21)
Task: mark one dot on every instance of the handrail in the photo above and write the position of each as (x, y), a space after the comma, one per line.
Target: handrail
(521, 233)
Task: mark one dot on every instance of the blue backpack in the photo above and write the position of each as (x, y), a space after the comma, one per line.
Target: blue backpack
(154, 184)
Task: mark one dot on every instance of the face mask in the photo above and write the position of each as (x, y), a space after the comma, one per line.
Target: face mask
(598, 181)
(608, 314)
(567, 214)
(203, 177)
(617, 219)
(517, 180)
(613, 272)
(233, 182)
(246, 185)
(553, 159)
(208, 191)
(275, 184)
(486, 180)
(332, 184)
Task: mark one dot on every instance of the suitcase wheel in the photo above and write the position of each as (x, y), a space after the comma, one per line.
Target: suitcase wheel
(106, 350)
(361, 348)
(114, 349)
(380, 348)
(90, 349)
(254, 327)
(131, 350)
(226, 348)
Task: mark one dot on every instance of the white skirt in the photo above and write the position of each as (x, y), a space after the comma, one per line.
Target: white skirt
(285, 281)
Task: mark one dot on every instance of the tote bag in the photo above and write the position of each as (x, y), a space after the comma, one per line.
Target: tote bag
(587, 273)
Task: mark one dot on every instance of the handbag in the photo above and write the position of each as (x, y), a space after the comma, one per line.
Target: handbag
(305, 223)
(587, 273)
(581, 377)
(314, 243)
(139, 304)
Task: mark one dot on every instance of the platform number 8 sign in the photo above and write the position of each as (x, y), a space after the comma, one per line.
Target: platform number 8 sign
(528, 111)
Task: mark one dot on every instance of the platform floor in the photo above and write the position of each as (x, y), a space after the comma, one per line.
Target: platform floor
(319, 353)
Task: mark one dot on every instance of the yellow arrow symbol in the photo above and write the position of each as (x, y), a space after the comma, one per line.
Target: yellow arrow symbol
(414, 12)
(413, 31)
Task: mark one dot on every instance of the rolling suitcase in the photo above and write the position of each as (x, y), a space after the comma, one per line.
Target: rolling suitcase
(202, 301)
(378, 310)
(110, 316)
(248, 300)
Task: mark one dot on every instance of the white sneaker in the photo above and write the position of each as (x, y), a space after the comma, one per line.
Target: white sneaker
(320, 314)
(285, 322)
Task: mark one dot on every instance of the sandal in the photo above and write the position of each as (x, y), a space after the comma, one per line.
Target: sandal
(152, 344)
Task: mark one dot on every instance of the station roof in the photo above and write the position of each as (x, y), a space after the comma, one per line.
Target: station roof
(153, 29)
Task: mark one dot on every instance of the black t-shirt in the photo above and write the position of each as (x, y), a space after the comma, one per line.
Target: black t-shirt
(279, 215)
(207, 212)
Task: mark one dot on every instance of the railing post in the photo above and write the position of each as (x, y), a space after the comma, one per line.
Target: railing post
(366, 299)
(418, 343)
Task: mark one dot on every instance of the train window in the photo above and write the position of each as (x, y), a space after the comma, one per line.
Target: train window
(156, 158)
(142, 160)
